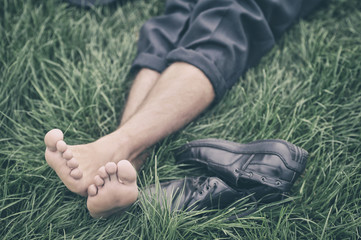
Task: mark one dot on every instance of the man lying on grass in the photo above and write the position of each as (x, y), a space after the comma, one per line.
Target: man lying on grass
(187, 59)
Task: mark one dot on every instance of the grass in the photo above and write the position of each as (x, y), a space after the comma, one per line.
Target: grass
(67, 67)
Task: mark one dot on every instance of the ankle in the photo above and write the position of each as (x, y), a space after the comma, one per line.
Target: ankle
(115, 147)
(121, 146)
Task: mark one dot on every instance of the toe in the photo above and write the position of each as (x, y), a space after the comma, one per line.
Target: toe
(102, 173)
(126, 171)
(98, 181)
(76, 173)
(52, 137)
(92, 190)
(111, 169)
(72, 163)
(61, 146)
(68, 154)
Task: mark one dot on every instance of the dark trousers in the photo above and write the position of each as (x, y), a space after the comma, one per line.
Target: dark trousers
(223, 38)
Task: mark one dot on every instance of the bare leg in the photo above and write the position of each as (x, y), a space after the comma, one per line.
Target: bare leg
(143, 83)
(181, 93)
(65, 159)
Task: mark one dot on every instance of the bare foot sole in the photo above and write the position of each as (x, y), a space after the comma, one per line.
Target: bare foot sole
(60, 157)
(77, 165)
(114, 190)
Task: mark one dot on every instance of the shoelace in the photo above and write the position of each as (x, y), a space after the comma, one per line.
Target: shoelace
(206, 184)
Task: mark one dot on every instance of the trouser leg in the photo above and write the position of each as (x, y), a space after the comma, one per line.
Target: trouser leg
(159, 35)
(222, 38)
(227, 37)
(281, 14)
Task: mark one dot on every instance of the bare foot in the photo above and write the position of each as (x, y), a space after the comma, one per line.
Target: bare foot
(77, 165)
(114, 190)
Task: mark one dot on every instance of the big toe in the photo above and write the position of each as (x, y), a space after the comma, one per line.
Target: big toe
(126, 172)
(52, 137)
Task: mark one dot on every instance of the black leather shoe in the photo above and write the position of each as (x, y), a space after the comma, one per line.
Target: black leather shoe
(194, 193)
(274, 163)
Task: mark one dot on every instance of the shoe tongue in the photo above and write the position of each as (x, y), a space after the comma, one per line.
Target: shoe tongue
(247, 183)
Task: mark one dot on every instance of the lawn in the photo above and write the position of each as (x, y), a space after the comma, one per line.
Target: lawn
(66, 67)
